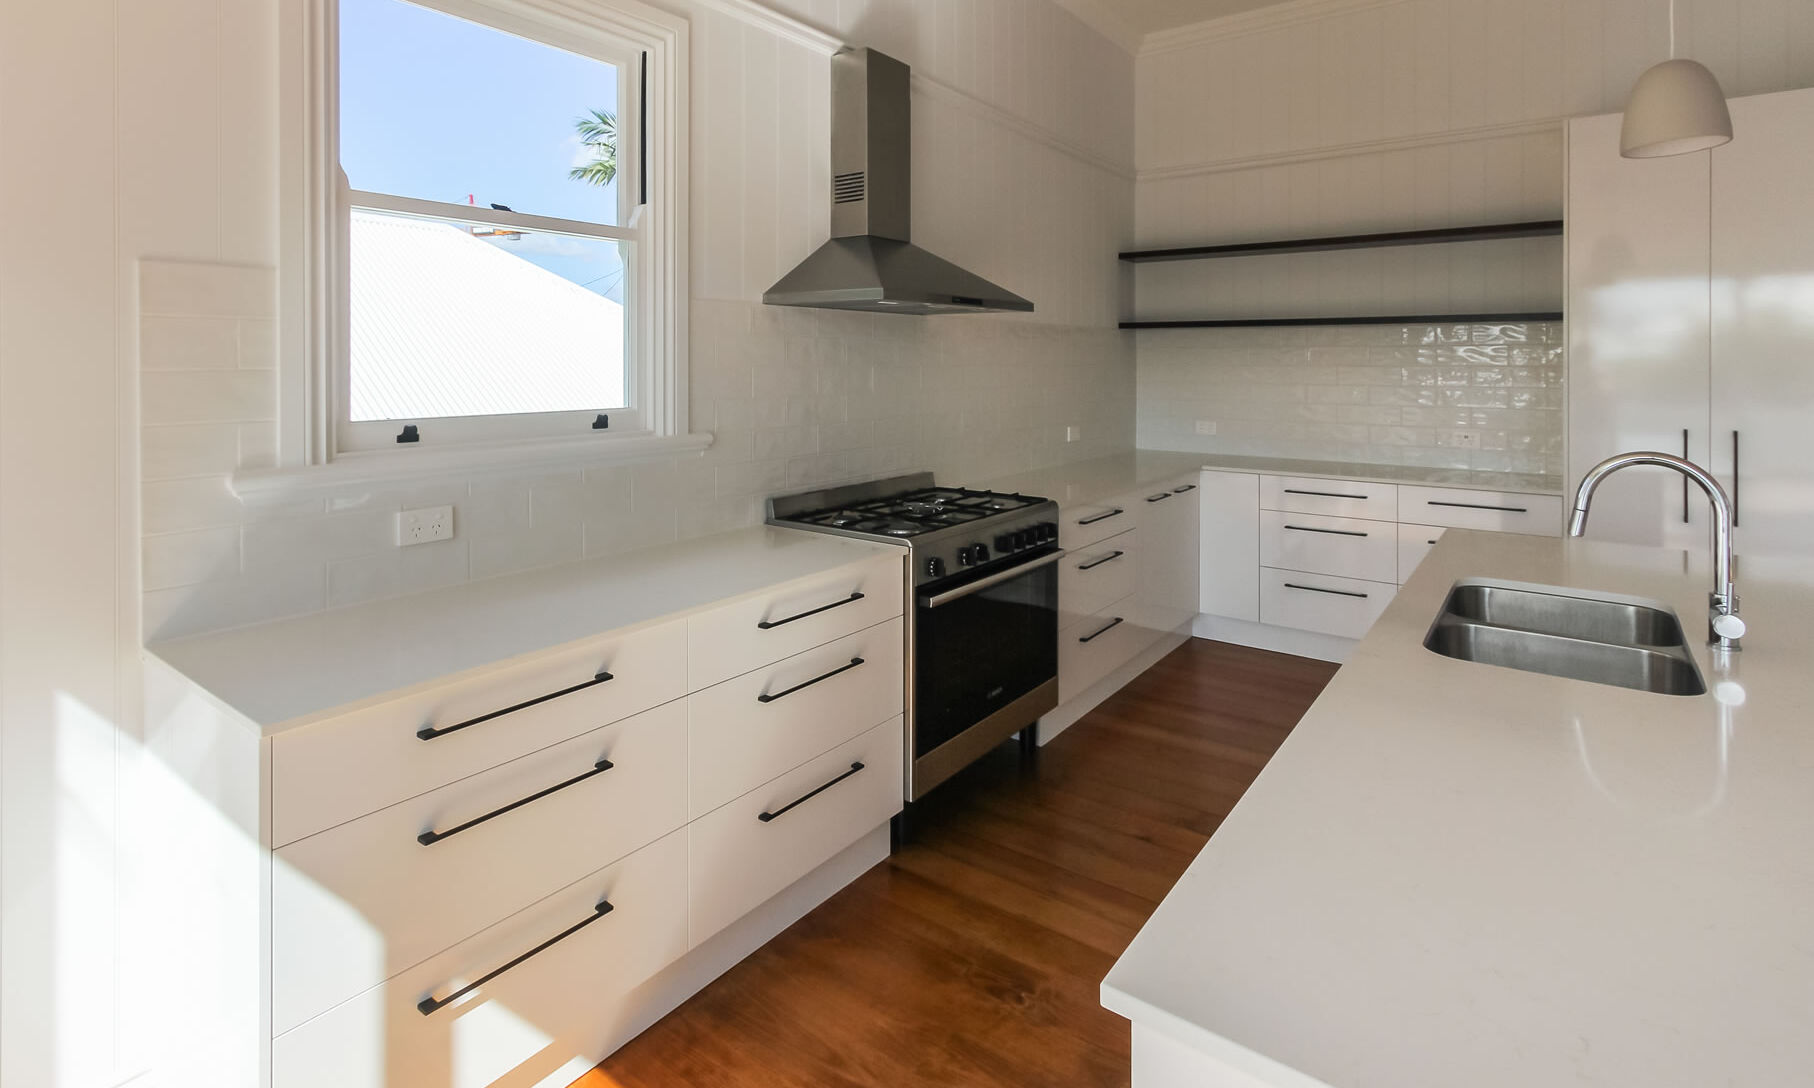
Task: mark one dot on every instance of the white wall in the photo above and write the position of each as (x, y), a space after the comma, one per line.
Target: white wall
(141, 152)
(1022, 172)
(1342, 116)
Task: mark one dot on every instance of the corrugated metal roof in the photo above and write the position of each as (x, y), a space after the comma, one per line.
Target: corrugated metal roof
(444, 324)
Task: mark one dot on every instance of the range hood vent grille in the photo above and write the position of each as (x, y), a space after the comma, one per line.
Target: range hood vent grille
(849, 188)
(870, 263)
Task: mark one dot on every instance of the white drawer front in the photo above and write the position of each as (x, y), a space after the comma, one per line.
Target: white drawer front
(553, 1009)
(337, 770)
(355, 904)
(1084, 525)
(750, 633)
(1345, 547)
(1336, 498)
(1415, 542)
(1093, 577)
(1345, 607)
(740, 741)
(1494, 511)
(1097, 645)
(739, 860)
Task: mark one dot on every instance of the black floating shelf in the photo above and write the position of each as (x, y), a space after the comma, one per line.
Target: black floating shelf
(1487, 232)
(1394, 319)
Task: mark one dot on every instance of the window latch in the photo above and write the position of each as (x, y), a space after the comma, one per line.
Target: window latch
(410, 434)
(601, 423)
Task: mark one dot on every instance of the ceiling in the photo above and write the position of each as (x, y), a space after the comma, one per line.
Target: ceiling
(1147, 16)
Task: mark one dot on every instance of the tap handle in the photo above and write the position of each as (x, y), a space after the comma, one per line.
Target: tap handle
(1728, 625)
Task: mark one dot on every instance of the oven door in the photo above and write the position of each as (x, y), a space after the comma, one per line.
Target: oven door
(980, 642)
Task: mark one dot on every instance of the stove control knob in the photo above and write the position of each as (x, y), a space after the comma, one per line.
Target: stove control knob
(964, 558)
(1048, 530)
(1023, 538)
(1007, 542)
(982, 552)
(935, 567)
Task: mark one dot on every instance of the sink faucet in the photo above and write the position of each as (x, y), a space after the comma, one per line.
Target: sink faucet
(1724, 627)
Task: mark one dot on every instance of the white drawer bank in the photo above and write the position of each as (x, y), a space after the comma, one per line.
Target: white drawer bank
(496, 875)
(1306, 564)
(1127, 590)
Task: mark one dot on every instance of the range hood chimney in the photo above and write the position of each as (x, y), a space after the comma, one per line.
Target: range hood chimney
(869, 263)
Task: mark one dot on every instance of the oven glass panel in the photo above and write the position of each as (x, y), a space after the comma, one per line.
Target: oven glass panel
(976, 654)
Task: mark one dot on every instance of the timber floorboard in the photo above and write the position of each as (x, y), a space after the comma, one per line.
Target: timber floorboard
(971, 958)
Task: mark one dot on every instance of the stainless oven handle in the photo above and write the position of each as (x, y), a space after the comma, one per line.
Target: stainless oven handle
(993, 580)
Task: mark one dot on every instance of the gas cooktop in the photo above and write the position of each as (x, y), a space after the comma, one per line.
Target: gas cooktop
(948, 528)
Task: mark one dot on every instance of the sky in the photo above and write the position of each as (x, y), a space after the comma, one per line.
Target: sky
(442, 109)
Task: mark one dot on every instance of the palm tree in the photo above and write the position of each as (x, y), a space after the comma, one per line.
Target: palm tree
(597, 134)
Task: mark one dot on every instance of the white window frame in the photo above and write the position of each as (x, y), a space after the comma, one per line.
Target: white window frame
(315, 436)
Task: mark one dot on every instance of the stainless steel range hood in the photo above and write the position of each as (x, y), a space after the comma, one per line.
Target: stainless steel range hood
(869, 263)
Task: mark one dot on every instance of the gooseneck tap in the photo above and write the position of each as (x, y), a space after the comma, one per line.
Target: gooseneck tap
(1724, 627)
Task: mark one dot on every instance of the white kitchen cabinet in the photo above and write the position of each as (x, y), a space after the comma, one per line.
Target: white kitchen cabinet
(1688, 285)
(1092, 577)
(1763, 323)
(1168, 521)
(1343, 607)
(524, 1023)
(1229, 528)
(1326, 555)
(1346, 547)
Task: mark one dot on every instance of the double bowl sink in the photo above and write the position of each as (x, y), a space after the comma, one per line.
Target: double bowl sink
(1620, 641)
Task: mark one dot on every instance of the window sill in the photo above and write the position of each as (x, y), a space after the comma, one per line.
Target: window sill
(406, 464)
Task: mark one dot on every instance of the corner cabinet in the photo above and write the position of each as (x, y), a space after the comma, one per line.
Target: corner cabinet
(1307, 564)
(1688, 280)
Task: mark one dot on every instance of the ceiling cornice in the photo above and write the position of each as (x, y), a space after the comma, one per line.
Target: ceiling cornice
(1273, 17)
(1103, 19)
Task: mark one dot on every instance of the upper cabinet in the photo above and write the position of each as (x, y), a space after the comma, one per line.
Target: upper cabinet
(1690, 290)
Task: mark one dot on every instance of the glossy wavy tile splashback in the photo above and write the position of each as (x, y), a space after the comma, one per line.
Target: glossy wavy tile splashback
(1484, 397)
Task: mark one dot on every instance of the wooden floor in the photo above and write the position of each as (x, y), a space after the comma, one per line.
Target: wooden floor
(972, 957)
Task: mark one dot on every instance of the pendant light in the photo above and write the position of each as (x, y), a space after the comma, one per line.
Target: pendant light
(1676, 107)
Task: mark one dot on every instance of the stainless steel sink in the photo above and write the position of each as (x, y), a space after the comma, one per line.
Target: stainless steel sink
(1563, 632)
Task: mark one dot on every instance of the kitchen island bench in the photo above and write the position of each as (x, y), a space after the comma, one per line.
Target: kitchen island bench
(1459, 874)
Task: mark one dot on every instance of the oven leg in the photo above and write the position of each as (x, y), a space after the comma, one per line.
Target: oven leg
(1029, 745)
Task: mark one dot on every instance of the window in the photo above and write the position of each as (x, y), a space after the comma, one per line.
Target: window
(492, 251)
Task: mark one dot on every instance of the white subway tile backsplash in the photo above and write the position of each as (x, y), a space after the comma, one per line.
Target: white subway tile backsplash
(211, 396)
(189, 343)
(197, 289)
(188, 449)
(182, 559)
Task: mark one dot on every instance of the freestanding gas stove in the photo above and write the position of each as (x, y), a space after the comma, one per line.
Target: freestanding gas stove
(982, 628)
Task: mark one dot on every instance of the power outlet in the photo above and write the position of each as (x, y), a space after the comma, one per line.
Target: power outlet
(1206, 426)
(424, 525)
(1072, 434)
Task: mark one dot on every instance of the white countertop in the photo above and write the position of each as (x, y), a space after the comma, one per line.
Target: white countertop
(285, 672)
(1105, 477)
(1458, 874)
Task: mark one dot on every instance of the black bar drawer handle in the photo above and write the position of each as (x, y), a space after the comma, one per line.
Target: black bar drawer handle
(805, 797)
(429, 838)
(1481, 506)
(767, 697)
(1099, 562)
(1320, 589)
(1322, 494)
(1101, 517)
(1182, 490)
(766, 624)
(1159, 497)
(1331, 532)
(429, 732)
(433, 1004)
(1103, 630)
